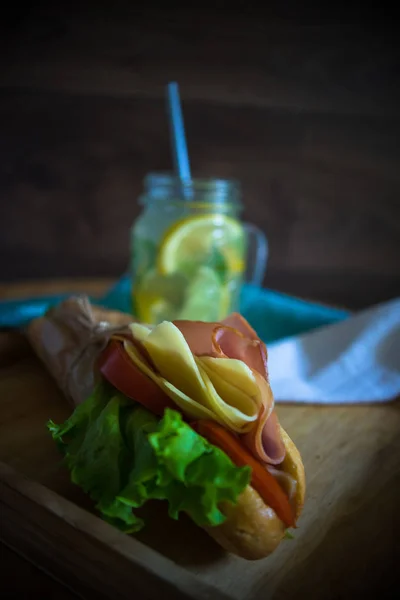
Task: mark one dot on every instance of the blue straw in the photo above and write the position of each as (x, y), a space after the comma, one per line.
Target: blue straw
(178, 137)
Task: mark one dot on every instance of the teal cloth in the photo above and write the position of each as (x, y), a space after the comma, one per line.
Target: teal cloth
(273, 315)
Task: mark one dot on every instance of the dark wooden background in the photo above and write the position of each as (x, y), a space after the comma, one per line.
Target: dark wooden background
(303, 108)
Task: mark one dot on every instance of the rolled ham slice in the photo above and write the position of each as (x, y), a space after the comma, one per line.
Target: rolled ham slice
(235, 338)
(229, 342)
(264, 440)
(232, 338)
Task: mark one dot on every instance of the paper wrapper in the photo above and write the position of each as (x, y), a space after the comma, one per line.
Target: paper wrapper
(68, 340)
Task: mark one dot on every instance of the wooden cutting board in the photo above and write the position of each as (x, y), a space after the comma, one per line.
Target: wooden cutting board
(346, 546)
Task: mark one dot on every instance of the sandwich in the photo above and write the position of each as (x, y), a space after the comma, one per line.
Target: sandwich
(181, 412)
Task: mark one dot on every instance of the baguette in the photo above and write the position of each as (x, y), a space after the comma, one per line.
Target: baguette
(252, 529)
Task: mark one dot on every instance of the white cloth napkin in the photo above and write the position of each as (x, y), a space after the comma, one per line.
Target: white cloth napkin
(354, 361)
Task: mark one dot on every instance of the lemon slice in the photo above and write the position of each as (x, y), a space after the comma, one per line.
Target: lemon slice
(158, 297)
(206, 298)
(211, 240)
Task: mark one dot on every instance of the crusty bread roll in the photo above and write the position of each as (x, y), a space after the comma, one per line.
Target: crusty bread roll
(252, 529)
(293, 465)
(68, 341)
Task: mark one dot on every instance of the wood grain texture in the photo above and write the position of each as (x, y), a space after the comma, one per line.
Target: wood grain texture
(86, 553)
(325, 191)
(301, 106)
(48, 287)
(272, 58)
(346, 545)
(21, 579)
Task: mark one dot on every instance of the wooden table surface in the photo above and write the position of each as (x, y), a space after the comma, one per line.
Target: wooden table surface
(20, 578)
(364, 535)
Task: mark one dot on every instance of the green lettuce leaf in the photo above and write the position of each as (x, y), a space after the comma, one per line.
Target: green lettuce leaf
(122, 456)
(289, 535)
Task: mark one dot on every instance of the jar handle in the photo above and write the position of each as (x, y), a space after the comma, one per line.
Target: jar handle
(257, 254)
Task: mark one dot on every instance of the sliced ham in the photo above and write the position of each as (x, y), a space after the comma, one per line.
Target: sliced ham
(264, 440)
(198, 336)
(235, 338)
(236, 321)
(230, 343)
(232, 338)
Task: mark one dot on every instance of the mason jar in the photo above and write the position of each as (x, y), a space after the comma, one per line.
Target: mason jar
(190, 250)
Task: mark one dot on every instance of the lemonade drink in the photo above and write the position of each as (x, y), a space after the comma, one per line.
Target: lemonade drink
(188, 250)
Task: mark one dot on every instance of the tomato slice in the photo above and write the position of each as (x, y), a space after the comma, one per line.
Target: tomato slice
(262, 480)
(119, 370)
